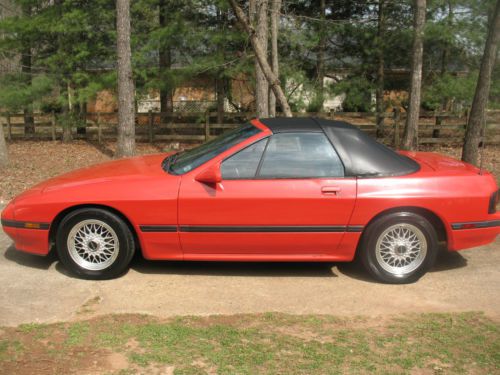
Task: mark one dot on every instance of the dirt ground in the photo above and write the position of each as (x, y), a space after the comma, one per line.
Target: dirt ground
(32, 162)
(38, 289)
(270, 343)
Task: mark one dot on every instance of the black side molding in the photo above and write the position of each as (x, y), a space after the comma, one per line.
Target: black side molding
(270, 229)
(476, 224)
(253, 229)
(158, 228)
(355, 228)
(25, 224)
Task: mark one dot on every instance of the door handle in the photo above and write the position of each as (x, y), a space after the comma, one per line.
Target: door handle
(330, 190)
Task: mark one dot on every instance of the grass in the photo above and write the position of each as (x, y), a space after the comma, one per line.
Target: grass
(268, 343)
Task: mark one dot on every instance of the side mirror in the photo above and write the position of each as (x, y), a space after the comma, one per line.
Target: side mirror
(211, 175)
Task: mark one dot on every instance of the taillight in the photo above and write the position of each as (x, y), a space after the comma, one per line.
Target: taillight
(495, 197)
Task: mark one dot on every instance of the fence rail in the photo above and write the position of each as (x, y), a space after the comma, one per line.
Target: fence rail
(434, 128)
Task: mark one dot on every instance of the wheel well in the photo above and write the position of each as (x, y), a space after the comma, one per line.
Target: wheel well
(60, 216)
(429, 215)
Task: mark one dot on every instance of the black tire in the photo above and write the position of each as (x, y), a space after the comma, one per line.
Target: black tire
(115, 231)
(380, 268)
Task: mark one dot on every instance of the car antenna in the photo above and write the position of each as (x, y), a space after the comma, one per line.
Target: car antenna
(483, 145)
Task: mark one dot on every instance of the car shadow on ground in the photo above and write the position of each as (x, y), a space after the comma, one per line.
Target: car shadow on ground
(143, 266)
(250, 269)
(30, 260)
(445, 261)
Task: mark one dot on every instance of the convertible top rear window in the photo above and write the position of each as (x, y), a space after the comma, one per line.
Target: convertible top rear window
(363, 156)
(186, 161)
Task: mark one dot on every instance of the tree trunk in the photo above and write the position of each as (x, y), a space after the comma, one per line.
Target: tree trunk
(29, 121)
(220, 91)
(4, 156)
(446, 52)
(380, 70)
(446, 49)
(261, 84)
(478, 110)
(165, 63)
(82, 119)
(166, 92)
(410, 137)
(69, 117)
(275, 17)
(320, 67)
(126, 113)
(272, 79)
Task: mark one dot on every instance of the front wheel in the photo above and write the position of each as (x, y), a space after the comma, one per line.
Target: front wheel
(94, 244)
(399, 248)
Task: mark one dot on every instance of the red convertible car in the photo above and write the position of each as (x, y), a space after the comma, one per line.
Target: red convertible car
(298, 189)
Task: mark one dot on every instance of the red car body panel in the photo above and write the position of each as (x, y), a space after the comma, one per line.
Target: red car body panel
(178, 217)
(137, 188)
(265, 203)
(454, 191)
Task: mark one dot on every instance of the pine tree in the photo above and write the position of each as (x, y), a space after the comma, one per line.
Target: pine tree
(70, 56)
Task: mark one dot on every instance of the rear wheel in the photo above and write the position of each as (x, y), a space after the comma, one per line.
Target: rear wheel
(94, 243)
(399, 248)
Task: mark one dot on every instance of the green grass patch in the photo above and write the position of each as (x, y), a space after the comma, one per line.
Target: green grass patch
(77, 332)
(268, 343)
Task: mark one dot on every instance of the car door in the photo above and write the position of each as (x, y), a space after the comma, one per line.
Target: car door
(283, 197)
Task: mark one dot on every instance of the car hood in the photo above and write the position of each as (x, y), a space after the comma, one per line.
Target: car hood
(441, 163)
(124, 169)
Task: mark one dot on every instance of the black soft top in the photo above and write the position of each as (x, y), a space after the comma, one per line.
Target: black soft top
(362, 155)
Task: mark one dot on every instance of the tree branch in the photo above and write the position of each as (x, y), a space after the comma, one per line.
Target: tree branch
(261, 57)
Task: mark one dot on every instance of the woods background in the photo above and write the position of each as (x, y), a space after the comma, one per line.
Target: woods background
(195, 62)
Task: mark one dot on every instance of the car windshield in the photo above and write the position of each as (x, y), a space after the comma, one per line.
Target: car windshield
(186, 161)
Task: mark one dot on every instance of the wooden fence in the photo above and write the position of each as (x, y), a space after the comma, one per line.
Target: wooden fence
(434, 128)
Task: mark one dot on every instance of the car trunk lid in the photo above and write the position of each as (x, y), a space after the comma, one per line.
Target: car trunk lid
(441, 163)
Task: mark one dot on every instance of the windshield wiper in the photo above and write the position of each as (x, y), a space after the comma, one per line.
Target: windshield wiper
(169, 161)
(166, 162)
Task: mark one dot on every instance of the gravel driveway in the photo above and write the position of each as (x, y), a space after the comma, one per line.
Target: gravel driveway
(36, 289)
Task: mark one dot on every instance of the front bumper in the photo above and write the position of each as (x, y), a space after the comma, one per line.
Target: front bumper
(31, 237)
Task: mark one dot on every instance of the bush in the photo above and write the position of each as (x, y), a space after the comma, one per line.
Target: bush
(358, 94)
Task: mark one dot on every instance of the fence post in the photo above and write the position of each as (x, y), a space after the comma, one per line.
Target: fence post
(435, 132)
(99, 129)
(397, 116)
(150, 126)
(207, 126)
(53, 125)
(9, 128)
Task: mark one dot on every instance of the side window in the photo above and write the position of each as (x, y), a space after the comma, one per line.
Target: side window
(300, 155)
(243, 164)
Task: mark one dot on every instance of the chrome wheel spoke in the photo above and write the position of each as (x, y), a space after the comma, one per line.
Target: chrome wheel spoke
(93, 245)
(401, 249)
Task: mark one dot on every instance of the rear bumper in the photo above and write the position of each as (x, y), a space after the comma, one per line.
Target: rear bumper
(472, 234)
